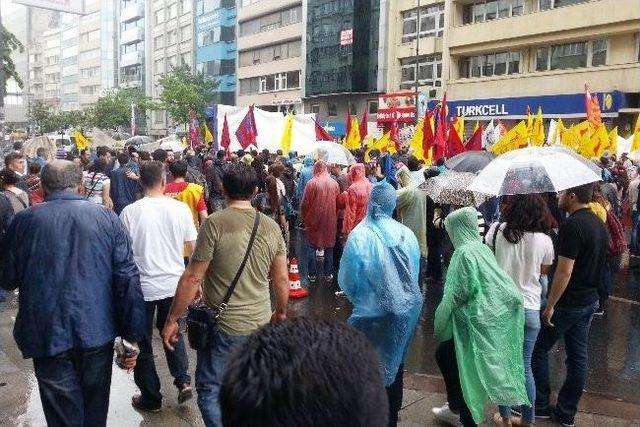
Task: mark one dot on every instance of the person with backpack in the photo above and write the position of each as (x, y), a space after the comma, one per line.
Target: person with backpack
(97, 184)
(18, 198)
(216, 199)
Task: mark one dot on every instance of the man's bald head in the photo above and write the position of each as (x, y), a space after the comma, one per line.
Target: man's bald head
(60, 175)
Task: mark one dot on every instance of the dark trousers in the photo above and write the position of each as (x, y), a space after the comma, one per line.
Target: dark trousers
(434, 255)
(145, 374)
(74, 386)
(611, 266)
(446, 358)
(573, 324)
(394, 393)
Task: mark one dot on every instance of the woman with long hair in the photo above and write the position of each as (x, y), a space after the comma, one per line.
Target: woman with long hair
(97, 184)
(271, 203)
(524, 250)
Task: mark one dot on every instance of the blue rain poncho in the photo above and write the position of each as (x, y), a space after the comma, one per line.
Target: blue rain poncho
(305, 175)
(482, 310)
(379, 275)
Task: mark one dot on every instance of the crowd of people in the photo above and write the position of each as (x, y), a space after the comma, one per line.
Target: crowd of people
(108, 244)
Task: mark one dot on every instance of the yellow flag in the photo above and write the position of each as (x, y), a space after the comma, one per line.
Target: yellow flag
(353, 140)
(613, 141)
(384, 145)
(559, 132)
(517, 137)
(81, 141)
(184, 141)
(416, 141)
(208, 138)
(475, 128)
(635, 144)
(537, 133)
(596, 144)
(285, 143)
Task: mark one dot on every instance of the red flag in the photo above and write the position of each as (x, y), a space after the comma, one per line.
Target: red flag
(321, 133)
(247, 131)
(440, 139)
(363, 126)
(225, 140)
(444, 109)
(427, 132)
(455, 145)
(395, 136)
(592, 106)
(347, 126)
(475, 142)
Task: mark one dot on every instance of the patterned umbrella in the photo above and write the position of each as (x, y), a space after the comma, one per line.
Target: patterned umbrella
(451, 189)
(470, 161)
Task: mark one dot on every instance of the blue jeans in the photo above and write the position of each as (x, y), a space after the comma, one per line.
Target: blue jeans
(74, 386)
(3, 295)
(634, 246)
(572, 323)
(145, 374)
(531, 329)
(210, 369)
(313, 264)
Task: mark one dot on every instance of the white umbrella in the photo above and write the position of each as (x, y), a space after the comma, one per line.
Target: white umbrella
(171, 143)
(535, 170)
(452, 188)
(330, 152)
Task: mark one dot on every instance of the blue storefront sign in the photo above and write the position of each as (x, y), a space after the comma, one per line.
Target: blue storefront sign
(335, 128)
(567, 105)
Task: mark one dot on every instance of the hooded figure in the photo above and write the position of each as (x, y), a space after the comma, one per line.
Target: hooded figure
(412, 208)
(318, 208)
(379, 275)
(482, 310)
(355, 199)
(305, 175)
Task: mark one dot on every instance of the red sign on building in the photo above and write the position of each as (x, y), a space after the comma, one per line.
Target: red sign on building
(346, 37)
(396, 107)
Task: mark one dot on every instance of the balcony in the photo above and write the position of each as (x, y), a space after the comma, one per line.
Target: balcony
(593, 18)
(132, 35)
(288, 32)
(132, 12)
(264, 7)
(130, 80)
(131, 58)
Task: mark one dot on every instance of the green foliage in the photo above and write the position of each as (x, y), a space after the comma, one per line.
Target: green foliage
(113, 110)
(44, 120)
(183, 90)
(8, 44)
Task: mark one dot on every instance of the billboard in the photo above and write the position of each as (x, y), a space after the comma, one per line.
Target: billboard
(396, 107)
(68, 6)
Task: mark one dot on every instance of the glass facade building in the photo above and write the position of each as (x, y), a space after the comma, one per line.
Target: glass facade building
(342, 47)
(216, 49)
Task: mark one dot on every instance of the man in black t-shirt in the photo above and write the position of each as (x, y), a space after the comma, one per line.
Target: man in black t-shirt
(573, 298)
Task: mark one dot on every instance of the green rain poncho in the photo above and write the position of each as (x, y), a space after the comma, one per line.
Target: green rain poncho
(482, 311)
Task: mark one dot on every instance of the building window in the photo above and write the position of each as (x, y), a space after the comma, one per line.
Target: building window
(185, 33)
(429, 71)
(431, 22)
(158, 66)
(638, 47)
(159, 16)
(90, 72)
(185, 6)
(552, 4)
(217, 67)
(52, 60)
(90, 36)
(271, 83)
(332, 109)
(372, 106)
(270, 53)
(173, 11)
(172, 37)
(572, 55)
(489, 10)
(217, 34)
(271, 21)
(158, 42)
(492, 64)
(185, 59)
(315, 109)
(90, 90)
(158, 117)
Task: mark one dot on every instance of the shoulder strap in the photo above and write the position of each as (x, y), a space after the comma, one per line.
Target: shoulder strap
(495, 236)
(227, 296)
(15, 196)
(93, 187)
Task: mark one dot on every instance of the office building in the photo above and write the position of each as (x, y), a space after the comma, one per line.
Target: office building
(502, 57)
(171, 45)
(270, 54)
(216, 48)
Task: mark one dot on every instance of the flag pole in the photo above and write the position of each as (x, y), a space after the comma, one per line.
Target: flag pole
(415, 101)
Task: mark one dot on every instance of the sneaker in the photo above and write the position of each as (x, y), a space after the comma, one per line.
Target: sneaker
(544, 413)
(446, 415)
(185, 392)
(312, 279)
(599, 312)
(341, 294)
(136, 402)
(564, 421)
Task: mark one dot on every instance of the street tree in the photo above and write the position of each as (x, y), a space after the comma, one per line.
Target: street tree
(9, 43)
(183, 90)
(113, 110)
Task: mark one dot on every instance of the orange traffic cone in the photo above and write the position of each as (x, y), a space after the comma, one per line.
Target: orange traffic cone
(295, 290)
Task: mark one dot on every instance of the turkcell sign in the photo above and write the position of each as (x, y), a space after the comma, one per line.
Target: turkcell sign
(481, 110)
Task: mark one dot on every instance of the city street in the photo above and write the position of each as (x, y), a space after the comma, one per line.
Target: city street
(611, 397)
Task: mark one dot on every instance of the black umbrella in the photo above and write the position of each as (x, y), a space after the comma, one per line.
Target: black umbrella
(469, 161)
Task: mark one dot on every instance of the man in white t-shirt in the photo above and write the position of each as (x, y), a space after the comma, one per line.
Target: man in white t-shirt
(159, 227)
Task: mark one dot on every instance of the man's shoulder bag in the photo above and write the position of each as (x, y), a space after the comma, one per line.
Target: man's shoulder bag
(202, 319)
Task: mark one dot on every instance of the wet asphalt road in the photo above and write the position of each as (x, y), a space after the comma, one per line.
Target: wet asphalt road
(614, 350)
